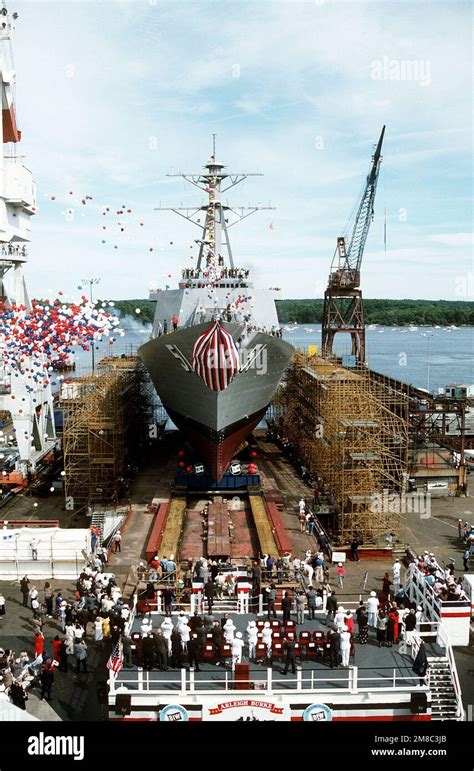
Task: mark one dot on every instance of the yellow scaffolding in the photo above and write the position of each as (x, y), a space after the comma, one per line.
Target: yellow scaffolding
(350, 430)
(106, 419)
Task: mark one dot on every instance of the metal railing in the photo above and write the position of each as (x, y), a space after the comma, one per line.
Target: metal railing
(350, 681)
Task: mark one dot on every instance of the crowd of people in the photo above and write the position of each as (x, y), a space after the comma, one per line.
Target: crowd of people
(442, 579)
(235, 273)
(95, 613)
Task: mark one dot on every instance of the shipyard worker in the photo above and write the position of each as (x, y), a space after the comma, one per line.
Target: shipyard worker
(372, 609)
(237, 647)
(34, 548)
(271, 599)
(24, 588)
(117, 540)
(302, 520)
(171, 567)
(311, 596)
(141, 570)
(465, 558)
(310, 521)
(340, 574)
(165, 327)
(301, 505)
(460, 528)
(355, 550)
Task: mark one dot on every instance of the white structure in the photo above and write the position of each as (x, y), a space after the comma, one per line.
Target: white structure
(29, 403)
(60, 553)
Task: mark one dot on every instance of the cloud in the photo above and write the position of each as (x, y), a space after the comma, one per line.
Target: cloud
(453, 239)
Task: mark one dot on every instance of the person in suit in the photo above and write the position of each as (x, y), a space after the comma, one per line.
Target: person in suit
(193, 654)
(290, 655)
(209, 593)
(286, 607)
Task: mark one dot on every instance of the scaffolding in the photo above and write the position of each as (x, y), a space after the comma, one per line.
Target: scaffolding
(108, 422)
(350, 431)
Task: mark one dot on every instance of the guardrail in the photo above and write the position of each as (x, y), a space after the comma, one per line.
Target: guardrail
(351, 681)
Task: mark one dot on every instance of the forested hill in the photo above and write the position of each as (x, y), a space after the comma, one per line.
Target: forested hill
(389, 312)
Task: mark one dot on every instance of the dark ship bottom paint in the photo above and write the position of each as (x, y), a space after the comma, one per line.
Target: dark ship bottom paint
(216, 448)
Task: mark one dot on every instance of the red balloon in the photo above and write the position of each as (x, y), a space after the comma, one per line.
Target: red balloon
(181, 454)
(189, 469)
(182, 464)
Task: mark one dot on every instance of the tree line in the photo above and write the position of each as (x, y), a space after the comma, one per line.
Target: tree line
(383, 312)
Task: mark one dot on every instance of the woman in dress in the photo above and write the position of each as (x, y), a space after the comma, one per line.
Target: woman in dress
(390, 630)
(386, 584)
(381, 628)
(393, 614)
(363, 635)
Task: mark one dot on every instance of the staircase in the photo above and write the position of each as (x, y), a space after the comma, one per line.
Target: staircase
(443, 695)
(226, 605)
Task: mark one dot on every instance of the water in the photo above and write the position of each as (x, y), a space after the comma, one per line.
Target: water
(427, 357)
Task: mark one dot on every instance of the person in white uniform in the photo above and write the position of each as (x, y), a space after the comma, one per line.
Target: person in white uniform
(167, 628)
(237, 646)
(229, 630)
(372, 609)
(396, 570)
(339, 618)
(345, 645)
(267, 637)
(252, 634)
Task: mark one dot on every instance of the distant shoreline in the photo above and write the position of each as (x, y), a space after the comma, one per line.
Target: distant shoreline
(383, 313)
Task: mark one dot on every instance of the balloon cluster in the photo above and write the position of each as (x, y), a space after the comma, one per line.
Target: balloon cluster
(119, 219)
(31, 339)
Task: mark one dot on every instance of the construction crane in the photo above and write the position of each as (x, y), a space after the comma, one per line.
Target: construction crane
(343, 308)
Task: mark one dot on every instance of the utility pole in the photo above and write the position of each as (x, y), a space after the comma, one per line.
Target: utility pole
(91, 282)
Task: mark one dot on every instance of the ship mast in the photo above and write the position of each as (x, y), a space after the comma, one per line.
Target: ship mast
(214, 242)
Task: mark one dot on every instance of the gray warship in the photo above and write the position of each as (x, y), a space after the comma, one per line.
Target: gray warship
(216, 354)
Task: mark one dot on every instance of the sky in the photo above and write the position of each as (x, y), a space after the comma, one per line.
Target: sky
(114, 95)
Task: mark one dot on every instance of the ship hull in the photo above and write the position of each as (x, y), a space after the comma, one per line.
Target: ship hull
(215, 422)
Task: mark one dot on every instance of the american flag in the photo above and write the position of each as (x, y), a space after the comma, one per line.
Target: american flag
(115, 659)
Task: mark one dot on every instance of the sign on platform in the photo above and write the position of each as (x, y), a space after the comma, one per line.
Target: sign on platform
(174, 713)
(248, 710)
(339, 556)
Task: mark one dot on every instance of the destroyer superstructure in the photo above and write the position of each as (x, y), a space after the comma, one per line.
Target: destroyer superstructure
(217, 373)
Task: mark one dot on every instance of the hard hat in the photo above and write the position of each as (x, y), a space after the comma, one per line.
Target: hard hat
(373, 594)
